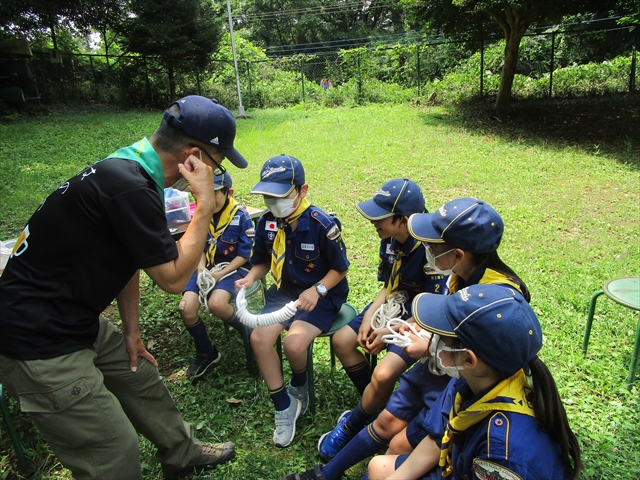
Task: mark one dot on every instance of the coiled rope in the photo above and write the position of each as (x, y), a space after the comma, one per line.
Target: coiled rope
(391, 309)
(266, 319)
(206, 282)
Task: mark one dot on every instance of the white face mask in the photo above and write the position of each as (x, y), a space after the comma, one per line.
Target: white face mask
(281, 207)
(436, 347)
(431, 260)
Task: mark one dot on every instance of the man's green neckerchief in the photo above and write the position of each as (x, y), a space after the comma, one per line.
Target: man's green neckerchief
(143, 153)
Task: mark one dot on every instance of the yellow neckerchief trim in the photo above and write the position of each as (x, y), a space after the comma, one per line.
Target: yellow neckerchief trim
(394, 278)
(509, 395)
(280, 242)
(216, 230)
(489, 277)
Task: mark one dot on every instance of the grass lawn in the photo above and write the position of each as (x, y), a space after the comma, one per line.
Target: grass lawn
(571, 214)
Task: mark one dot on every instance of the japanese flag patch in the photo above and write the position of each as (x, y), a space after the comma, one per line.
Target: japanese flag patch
(486, 470)
(271, 226)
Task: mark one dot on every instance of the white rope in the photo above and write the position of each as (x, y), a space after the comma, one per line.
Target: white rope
(402, 339)
(206, 282)
(252, 321)
(392, 308)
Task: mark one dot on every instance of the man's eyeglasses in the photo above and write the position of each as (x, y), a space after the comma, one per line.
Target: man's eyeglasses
(220, 170)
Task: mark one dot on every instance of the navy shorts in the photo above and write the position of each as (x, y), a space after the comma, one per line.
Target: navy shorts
(227, 284)
(355, 326)
(417, 390)
(322, 316)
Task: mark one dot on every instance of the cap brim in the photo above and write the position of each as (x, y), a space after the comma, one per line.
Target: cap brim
(371, 211)
(420, 227)
(272, 188)
(235, 157)
(428, 310)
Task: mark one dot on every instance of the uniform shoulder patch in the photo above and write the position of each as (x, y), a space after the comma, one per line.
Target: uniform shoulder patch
(250, 232)
(333, 233)
(486, 470)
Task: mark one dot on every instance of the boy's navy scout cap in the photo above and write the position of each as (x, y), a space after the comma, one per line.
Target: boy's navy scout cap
(466, 223)
(279, 175)
(399, 196)
(493, 321)
(222, 181)
(206, 120)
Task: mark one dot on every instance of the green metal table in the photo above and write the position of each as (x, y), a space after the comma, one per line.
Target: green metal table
(624, 291)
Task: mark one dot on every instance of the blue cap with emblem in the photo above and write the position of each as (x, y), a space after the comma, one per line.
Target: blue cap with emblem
(222, 181)
(493, 321)
(466, 223)
(399, 196)
(279, 175)
(209, 122)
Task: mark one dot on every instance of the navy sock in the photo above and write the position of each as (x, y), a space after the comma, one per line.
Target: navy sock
(280, 398)
(199, 333)
(363, 445)
(360, 375)
(298, 379)
(358, 419)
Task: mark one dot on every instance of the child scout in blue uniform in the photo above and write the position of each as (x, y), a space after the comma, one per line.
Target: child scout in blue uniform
(501, 416)
(225, 255)
(465, 235)
(302, 249)
(403, 270)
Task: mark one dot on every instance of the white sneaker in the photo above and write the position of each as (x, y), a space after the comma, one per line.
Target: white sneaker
(286, 423)
(302, 394)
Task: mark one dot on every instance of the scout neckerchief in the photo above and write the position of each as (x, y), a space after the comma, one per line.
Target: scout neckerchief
(143, 153)
(489, 277)
(226, 215)
(394, 278)
(510, 395)
(280, 242)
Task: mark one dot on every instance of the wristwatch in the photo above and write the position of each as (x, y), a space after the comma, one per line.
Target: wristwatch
(321, 289)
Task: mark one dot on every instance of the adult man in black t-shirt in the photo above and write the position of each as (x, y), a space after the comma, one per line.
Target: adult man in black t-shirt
(78, 376)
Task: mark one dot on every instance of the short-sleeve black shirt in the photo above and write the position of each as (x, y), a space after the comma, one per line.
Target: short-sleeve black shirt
(80, 248)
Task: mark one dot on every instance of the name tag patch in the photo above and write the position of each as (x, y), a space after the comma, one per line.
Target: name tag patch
(308, 246)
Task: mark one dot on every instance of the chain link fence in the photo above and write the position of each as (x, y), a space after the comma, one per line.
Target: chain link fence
(550, 64)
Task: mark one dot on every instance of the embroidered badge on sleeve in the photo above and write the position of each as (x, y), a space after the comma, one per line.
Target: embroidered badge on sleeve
(486, 470)
(333, 233)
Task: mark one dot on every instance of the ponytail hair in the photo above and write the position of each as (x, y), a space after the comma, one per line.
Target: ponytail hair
(552, 417)
(493, 261)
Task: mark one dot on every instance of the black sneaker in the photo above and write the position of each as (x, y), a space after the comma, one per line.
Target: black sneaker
(212, 454)
(314, 473)
(201, 364)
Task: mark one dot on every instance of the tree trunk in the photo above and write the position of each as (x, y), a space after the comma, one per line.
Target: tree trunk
(508, 70)
(514, 24)
(172, 84)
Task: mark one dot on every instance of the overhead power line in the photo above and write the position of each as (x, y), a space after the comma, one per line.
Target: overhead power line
(316, 10)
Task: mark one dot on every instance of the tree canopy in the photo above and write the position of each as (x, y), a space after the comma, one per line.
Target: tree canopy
(476, 19)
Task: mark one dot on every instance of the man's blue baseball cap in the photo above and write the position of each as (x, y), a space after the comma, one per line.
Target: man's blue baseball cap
(493, 321)
(466, 223)
(222, 181)
(209, 122)
(279, 175)
(399, 196)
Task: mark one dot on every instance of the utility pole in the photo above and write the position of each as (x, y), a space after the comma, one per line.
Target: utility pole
(235, 63)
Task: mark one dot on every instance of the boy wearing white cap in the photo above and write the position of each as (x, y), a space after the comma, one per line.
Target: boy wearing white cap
(226, 253)
(301, 247)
